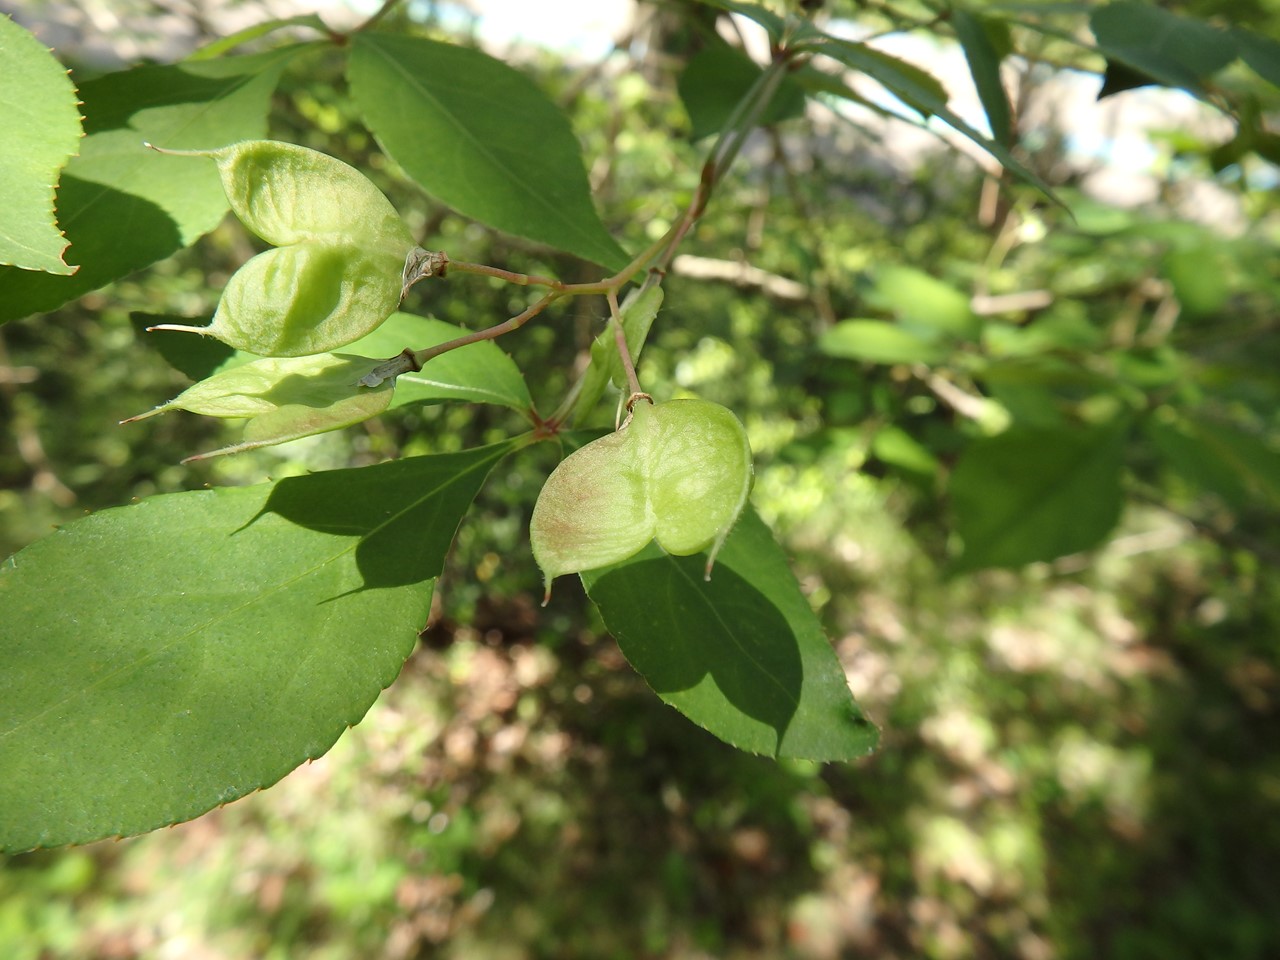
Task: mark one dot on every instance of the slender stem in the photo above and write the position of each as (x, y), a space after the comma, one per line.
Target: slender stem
(620, 338)
(420, 357)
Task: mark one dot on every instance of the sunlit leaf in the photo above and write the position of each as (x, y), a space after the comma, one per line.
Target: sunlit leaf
(877, 341)
(41, 123)
(478, 373)
(741, 655)
(481, 137)
(163, 658)
(122, 206)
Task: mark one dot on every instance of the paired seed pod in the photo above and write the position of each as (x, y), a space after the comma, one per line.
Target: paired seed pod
(285, 398)
(678, 473)
(340, 247)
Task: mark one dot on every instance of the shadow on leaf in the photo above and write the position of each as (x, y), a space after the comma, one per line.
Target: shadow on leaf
(723, 633)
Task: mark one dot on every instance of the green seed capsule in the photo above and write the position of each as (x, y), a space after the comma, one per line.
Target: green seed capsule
(678, 473)
(341, 248)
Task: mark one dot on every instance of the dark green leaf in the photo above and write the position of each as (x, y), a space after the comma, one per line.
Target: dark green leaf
(195, 357)
(41, 123)
(1173, 50)
(742, 654)
(1119, 77)
(772, 23)
(1185, 450)
(1037, 493)
(984, 65)
(1255, 461)
(922, 92)
(716, 80)
(1259, 52)
(163, 658)
(123, 206)
(481, 137)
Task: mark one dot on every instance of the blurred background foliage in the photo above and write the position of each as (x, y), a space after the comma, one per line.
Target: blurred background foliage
(1079, 757)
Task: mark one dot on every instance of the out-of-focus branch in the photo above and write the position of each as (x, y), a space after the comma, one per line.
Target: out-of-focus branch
(739, 274)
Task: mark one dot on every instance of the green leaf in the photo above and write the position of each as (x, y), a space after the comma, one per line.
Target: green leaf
(918, 299)
(164, 658)
(678, 473)
(1169, 49)
(717, 78)
(741, 655)
(1037, 493)
(224, 45)
(479, 372)
(638, 312)
(896, 447)
(984, 65)
(285, 398)
(1185, 450)
(1238, 466)
(773, 24)
(877, 341)
(124, 207)
(1260, 52)
(924, 93)
(482, 138)
(41, 123)
(195, 357)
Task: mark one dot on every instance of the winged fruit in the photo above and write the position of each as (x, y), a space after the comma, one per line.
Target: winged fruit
(676, 472)
(340, 247)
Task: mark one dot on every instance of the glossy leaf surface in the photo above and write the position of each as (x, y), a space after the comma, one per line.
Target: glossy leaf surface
(41, 123)
(481, 137)
(124, 207)
(1037, 494)
(741, 655)
(167, 657)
